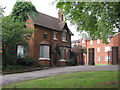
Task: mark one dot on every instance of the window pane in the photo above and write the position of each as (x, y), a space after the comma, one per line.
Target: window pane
(44, 51)
(64, 36)
(98, 58)
(21, 52)
(62, 53)
(41, 51)
(107, 49)
(67, 52)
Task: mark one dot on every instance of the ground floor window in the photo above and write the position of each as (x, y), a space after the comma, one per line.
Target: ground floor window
(44, 51)
(67, 52)
(21, 51)
(98, 58)
(62, 53)
(107, 58)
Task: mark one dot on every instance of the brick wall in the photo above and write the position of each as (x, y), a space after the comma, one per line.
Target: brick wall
(114, 42)
(37, 39)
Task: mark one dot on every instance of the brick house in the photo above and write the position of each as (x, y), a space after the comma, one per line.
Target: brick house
(51, 41)
(98, 52)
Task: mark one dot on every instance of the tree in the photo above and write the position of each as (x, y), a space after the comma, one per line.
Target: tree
(13, 33)
(98, 19)
(21, 9)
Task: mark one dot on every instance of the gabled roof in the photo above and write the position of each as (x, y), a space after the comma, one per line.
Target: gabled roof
(48, 22)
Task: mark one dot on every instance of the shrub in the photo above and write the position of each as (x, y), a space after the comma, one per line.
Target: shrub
(28, 61)
(71, 62)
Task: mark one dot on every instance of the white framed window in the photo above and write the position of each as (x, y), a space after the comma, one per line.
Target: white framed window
(107, 58)
(98, 58)
(82, 41)
(55, 35)
(64, 35)
(67, 52)
(62, 53)
(91, 42)
(44, 52)
(98, 41)
(107, 48)
(21, 51)
(98, 49)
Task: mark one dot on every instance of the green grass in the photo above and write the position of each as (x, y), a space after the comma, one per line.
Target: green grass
(96, 79)
(103, 64)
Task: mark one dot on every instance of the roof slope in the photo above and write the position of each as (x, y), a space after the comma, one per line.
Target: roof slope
(48, 22)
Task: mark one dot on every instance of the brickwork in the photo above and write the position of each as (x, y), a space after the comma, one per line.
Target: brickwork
(99, 49)
(37, 39)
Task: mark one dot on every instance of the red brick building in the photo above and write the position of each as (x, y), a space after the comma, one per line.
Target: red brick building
(100, 53)
(51, 41)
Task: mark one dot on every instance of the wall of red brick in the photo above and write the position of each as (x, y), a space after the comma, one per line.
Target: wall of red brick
(31, 41)
(114, 42)
(37, 39)
(62, 63)
(45, 63)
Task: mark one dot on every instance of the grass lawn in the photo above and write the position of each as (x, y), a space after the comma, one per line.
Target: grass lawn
(95, 79)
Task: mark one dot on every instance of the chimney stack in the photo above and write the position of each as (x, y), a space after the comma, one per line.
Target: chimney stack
(60, 15)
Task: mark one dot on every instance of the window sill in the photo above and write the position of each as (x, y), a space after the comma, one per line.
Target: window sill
(64, 41)
(54, 38)
(44, 59)
(62, 60)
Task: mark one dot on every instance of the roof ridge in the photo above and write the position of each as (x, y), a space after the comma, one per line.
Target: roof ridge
(49, 16)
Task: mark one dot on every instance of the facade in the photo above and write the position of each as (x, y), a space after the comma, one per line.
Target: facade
(100, 53)
(50, 43)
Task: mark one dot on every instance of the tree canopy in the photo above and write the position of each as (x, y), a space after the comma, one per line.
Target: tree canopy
(20, 10)
(98, 19)
(13, 33)
(14, 30)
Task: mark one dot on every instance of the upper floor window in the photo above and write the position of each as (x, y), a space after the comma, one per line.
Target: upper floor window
(91, 42)
(98, 49)
(107, 48)
(55, 35)
(45, 35)
(98, 41)
(64, 35)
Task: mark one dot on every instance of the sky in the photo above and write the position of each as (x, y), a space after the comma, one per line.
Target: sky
(43, 6)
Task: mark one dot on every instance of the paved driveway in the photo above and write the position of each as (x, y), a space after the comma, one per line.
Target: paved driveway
(11, 78)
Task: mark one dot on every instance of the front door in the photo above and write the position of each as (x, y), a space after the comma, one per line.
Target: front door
(91, 56)
(114, 55)
(55, 59)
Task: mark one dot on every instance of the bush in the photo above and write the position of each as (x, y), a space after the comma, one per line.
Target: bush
(71, 62)
(28, 61)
